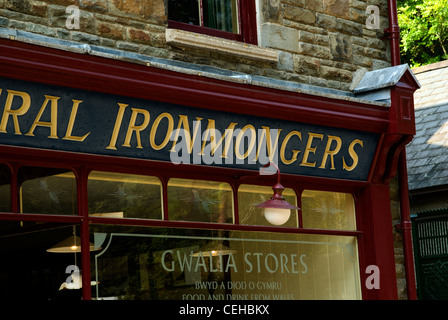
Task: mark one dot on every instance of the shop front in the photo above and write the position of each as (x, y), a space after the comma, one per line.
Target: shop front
(121, 180)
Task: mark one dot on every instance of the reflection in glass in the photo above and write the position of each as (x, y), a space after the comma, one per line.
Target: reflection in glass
(199, 200)
(29, 272)
(221, 15)
(122, 195)
(216, 14)
(250, 195)
(47, 191)
(5, 188)
(141, 263)
(186, 11)
(328, 210)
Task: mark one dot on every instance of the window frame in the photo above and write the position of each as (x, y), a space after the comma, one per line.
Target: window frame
(83, 164)
(247, 21)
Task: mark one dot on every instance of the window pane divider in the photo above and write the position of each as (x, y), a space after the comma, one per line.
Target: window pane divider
(39, 217)
(219, 226)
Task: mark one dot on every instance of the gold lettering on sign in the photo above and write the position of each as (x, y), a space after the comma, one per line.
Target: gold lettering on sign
(239, 138)
(118, 120)
(133, 128)
(210, 132)
(152, 137)
(71, 123)
(266, 134)
(189, 140)
(53, 124)
(331, 153)
(353, 155)
(26, 102)
(294, 152)
(309, 149)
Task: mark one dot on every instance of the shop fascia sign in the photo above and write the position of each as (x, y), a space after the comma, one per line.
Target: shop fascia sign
(59, 118)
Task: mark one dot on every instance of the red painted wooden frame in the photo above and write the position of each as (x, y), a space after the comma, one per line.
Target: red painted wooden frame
(50, 66)
(247, 21)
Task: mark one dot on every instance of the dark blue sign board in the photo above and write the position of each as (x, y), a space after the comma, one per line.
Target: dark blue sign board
(59, 118)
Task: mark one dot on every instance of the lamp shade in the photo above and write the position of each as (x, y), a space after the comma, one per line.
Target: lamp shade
(277, 210)
(71, 244)
(213, 249)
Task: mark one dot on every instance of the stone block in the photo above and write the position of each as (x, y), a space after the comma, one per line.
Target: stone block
(337, 8)
(94, 5)
(336, 74)
(272, 11)
(64, 3)
(299, 15)
(307, 66)
(285, 61)
(305, 36)
(326, 21)
(35, 8)
(127, 46)
(340, 47)
(349, 27)
(57, 17)
(139, 36)
(153, 11)
(4, 21)
(40, 29)
(85, 38)
(362, 61)
(110, 30)
(314, 5)
(314, 50)
(279, 37)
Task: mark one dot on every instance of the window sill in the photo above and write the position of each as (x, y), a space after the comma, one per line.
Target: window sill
(183, 38)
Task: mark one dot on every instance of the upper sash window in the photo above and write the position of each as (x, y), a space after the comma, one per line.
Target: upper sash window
(230, 19)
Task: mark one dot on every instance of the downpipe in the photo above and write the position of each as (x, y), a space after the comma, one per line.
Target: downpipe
(406, 225)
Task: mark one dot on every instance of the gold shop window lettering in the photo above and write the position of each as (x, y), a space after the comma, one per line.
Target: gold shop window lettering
(328, 210)
(120, 195)
(200, 200)
(47, 191)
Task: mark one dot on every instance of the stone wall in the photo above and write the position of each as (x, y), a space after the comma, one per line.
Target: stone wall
(398, 240)
(320, 42)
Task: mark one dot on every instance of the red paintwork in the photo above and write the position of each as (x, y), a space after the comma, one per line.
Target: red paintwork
(45, 65)
(406, 101)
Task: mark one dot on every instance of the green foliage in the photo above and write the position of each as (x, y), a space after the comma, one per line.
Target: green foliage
(424, 31)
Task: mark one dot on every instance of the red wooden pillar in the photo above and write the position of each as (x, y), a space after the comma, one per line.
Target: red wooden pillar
(377, 242)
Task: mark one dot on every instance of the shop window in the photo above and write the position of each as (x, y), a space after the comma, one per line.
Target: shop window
(119, 195)
(31, 271)
(250, 195)
(5, 188)
(47, 191)
(200, 200)
(328, 210)
(142, 263)
(231, 19)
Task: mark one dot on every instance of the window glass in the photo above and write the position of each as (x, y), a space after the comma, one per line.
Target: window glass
(249, 196)
(200, 200)
(5, 188)
(328, 210)
(186, 11)
(120, 195)
(215, 14)
(183, 264)
(47, 191)
(31, 270)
